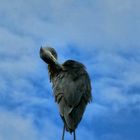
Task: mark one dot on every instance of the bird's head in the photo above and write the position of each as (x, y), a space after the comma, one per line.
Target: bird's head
(48, 55)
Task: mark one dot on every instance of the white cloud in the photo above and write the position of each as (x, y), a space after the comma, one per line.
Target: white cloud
(15, 127)
(106, 30)
(88, 23)
(95, 110)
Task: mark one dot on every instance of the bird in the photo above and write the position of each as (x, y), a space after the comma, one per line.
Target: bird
(71, 88)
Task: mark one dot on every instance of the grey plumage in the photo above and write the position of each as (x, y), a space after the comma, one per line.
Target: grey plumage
(71, 87)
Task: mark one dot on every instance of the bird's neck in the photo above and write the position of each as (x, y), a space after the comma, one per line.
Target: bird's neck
(52, 71)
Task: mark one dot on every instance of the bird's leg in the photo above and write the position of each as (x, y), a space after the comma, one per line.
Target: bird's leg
(63, 132)
(74, 133)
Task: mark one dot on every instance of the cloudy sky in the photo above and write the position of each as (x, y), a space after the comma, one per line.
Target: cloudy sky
(104, 35)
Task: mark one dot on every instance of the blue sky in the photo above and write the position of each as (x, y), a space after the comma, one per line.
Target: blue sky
(103, 35)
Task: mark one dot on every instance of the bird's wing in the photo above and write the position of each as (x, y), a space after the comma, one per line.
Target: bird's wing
(72, 91)
(73, 85)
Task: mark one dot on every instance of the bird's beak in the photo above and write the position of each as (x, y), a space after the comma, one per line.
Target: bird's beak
(46, 56)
